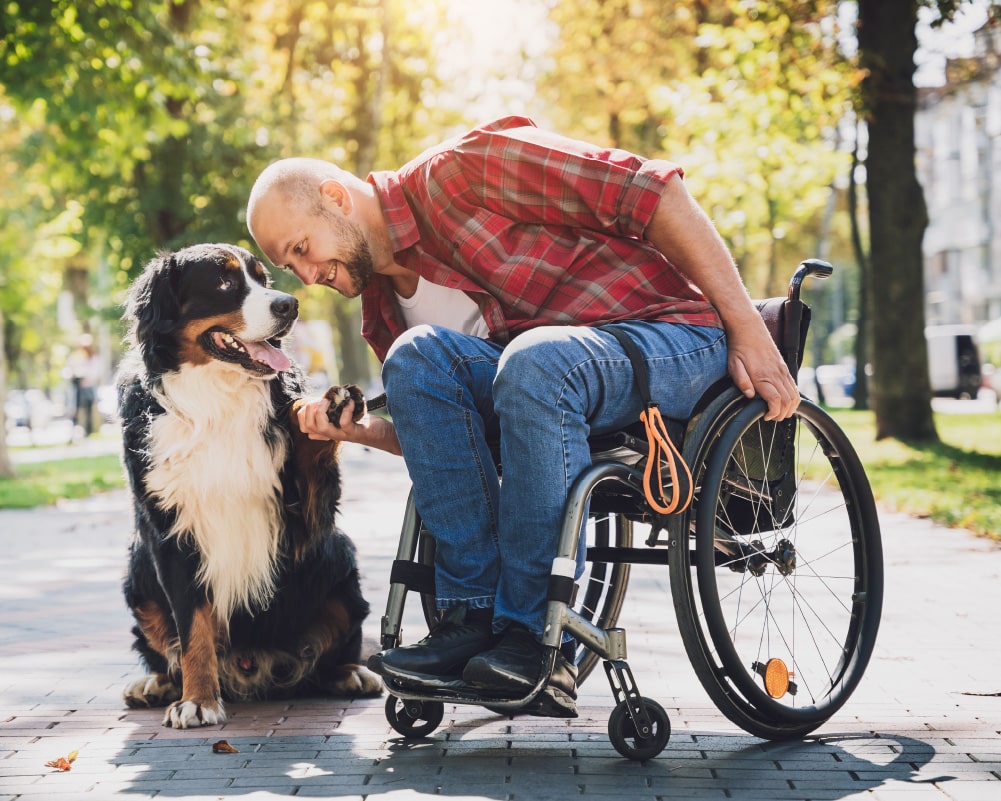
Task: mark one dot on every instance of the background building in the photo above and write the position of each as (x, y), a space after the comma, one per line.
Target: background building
(958, 135)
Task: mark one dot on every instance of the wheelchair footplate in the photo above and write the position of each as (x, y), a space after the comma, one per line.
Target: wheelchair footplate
(413, 705)
(638, 727)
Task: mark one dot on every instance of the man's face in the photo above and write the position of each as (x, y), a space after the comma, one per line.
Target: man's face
(321, 246)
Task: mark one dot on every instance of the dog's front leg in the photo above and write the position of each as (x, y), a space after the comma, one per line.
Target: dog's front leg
(201, 701)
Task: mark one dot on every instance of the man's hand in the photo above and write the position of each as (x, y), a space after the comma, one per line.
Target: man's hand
(757, 367)
(376, 432)
(314, 421)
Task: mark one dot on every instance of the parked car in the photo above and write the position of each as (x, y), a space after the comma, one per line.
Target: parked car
(953, 361)
(28, 408)
(836, 382)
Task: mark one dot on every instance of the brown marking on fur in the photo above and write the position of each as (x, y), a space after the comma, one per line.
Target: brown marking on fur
(330, 627)
(199, 662)
(159, 632)
(256, 269)
(190, 351)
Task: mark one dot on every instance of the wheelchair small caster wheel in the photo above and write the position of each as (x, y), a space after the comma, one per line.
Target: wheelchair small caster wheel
(414, 718)
(628, 742)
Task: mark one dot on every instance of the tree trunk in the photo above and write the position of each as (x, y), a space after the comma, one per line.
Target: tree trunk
(6, 468)
(863, 322)
(901, 391)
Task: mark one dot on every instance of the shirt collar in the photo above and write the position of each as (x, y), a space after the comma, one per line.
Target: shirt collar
(403, 232)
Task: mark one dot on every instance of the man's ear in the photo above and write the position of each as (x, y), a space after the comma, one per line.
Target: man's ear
(336, 193)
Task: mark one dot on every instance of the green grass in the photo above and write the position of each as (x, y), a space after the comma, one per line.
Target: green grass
(45, 483)
(956, 482)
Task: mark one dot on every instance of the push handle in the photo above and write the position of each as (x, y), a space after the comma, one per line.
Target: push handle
(814, 267)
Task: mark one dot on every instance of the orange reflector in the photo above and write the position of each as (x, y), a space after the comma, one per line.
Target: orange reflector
(776, 678)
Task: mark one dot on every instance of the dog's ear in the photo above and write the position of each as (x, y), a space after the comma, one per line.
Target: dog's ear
(153, 309)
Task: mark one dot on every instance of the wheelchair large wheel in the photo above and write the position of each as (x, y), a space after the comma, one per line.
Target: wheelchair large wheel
(602, 587)
(777, 573)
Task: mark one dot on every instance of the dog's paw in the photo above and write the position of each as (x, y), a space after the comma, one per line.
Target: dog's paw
(339, 397)
(191, 714)
(154, 690)
(357, 681)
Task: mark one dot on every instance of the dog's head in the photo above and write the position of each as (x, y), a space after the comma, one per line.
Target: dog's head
(209, 304)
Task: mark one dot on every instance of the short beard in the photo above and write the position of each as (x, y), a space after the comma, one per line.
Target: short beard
(358, 264)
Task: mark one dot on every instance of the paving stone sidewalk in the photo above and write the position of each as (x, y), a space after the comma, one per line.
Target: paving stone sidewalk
(925, 724)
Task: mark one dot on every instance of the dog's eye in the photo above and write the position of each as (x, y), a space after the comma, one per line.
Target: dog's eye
(225, 284)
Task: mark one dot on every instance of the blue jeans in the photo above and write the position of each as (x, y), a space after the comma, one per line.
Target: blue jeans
(540, 397)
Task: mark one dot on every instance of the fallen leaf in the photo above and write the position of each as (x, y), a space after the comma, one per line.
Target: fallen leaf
(223, 747)
(63, 763)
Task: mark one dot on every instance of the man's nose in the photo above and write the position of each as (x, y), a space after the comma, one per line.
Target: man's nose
(307, 273)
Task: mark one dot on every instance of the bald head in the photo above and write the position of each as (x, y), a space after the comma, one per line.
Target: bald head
(290, 183)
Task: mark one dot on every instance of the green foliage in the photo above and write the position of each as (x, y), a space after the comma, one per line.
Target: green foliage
(746, 96)
(133, 127)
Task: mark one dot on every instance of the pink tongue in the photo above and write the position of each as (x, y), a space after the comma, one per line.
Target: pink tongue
(270, 355)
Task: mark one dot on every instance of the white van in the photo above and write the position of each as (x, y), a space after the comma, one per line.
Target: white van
(953, 360)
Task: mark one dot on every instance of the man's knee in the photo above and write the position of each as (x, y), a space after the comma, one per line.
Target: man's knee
(407, 358)
(539, 360)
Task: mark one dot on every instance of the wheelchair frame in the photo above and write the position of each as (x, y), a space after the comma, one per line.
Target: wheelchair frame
(713, 562)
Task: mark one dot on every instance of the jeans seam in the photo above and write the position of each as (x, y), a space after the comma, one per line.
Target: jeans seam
(457, 362)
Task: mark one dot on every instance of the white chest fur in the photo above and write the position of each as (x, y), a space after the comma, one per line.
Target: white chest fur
(212, 465)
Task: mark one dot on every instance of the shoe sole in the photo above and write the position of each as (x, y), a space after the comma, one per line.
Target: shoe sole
(426, 680)
(552, 702)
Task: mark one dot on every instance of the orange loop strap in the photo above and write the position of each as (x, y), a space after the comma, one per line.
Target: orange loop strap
(663, 454)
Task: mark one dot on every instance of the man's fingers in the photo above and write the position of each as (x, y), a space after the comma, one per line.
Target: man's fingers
(347, 416)
(741, 378)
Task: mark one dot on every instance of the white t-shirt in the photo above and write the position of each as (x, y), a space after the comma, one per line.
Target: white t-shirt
(434, 304)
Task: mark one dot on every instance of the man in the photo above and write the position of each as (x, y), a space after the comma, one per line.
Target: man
(484, 266)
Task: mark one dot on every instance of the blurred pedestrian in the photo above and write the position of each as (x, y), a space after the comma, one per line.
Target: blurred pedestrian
(84, 370)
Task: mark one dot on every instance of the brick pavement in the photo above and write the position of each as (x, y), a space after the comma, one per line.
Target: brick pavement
(925, 724)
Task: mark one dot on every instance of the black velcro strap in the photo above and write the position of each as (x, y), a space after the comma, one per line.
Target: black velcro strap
(415, 576)
(636, 357)
(561, 588)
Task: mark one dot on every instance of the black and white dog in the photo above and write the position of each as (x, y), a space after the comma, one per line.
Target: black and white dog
(241, 584)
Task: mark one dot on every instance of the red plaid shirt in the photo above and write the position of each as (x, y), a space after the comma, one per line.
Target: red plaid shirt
(538, 229)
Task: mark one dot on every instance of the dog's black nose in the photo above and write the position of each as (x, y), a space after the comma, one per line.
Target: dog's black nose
(286, 307)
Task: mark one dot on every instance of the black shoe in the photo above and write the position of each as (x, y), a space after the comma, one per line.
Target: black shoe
(513, 666)
(442, 655)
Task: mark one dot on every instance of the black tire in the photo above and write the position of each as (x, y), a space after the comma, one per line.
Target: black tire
(414, 718)
(777, 569)
(625, 739)
(601, 589)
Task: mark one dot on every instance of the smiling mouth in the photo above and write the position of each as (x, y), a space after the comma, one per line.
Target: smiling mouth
(263, 357)
(332, 274)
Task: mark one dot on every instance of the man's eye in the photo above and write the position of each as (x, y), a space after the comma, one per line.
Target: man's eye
(297, 250)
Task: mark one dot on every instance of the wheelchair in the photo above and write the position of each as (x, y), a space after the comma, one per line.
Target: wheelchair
(776, 566)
